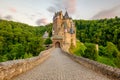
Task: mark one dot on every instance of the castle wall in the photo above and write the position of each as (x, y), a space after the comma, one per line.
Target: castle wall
(62, 25)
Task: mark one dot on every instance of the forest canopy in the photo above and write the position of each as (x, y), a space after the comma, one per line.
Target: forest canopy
(18, 40)
(105, 33)
(99, 31)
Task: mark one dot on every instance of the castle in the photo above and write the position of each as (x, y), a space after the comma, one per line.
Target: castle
(63, 31)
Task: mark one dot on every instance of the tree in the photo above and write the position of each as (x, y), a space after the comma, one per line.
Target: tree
(111, 50)
(91, 51)
(18, 40)
(48, 41)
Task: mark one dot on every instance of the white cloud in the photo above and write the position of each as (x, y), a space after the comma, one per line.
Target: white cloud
(110, 13)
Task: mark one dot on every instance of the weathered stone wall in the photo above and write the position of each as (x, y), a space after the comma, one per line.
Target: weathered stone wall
(110, 72)
(64, 28)
(12, 68)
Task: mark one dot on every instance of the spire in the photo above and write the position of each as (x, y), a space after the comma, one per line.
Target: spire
(66, 15)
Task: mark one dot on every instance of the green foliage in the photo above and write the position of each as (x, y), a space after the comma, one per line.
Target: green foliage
(106, 61)
(49, 29)
(99, 31)
(40, 30)
(16, 51)
(109, 55)
(27, 55)
(79, 49)
(3, 58)
(87, 50)
(111, 50)
(91, 51)
(102, 51)
(19, 40)
(48, 41)
(106, 33)
(117, 60)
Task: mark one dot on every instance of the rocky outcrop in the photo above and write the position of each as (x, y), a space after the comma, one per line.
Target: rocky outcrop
(13, 68)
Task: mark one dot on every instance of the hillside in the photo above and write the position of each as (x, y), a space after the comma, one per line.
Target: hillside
(99, 31)
(105, 33)
(18, 40)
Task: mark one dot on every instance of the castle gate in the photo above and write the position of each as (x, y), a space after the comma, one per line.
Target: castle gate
(57, 44)
(57, 41)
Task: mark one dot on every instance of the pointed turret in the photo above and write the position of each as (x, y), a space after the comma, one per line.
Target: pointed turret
(66, 16)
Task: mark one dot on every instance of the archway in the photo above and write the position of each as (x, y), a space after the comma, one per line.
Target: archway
(57, 45)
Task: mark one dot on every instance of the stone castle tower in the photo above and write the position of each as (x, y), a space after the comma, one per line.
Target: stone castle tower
(64, 31)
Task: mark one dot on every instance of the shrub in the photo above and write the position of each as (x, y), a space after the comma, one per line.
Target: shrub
(3, 58)
(79, 49)
(48, 41)
(91, 51)
(102, 51)
(105, 60)
(28, 55)
(111, 50)
(117, 60)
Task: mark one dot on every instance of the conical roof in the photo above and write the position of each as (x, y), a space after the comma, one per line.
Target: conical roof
(66, 16)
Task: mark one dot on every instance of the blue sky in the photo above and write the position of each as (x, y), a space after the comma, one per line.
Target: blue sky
(40, 12)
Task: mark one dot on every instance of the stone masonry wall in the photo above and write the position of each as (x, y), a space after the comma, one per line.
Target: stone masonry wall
(110, 72)
(13, 68)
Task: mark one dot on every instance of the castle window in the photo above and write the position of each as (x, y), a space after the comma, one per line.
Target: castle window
(65, 25)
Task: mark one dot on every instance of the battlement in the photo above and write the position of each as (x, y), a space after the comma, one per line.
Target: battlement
(60, 15)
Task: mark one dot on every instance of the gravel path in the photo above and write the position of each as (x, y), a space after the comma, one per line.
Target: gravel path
(60, 67)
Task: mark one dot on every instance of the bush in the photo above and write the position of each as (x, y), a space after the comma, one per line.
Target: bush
(111, 50)
(91, 51)
(3, 58)
(106, 61)
(102, 51)
(48, 41)
(117, 60)
(109, 55)
(79, 49)
(28, 55)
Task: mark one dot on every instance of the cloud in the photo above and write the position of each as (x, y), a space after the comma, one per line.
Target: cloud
(12, 10)
(69, 5)
(115, 11)
(33, 15)
(42, 21)
(8, 17)
(51, 9)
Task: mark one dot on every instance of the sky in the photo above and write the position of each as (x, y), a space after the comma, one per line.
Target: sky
(41, 12)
